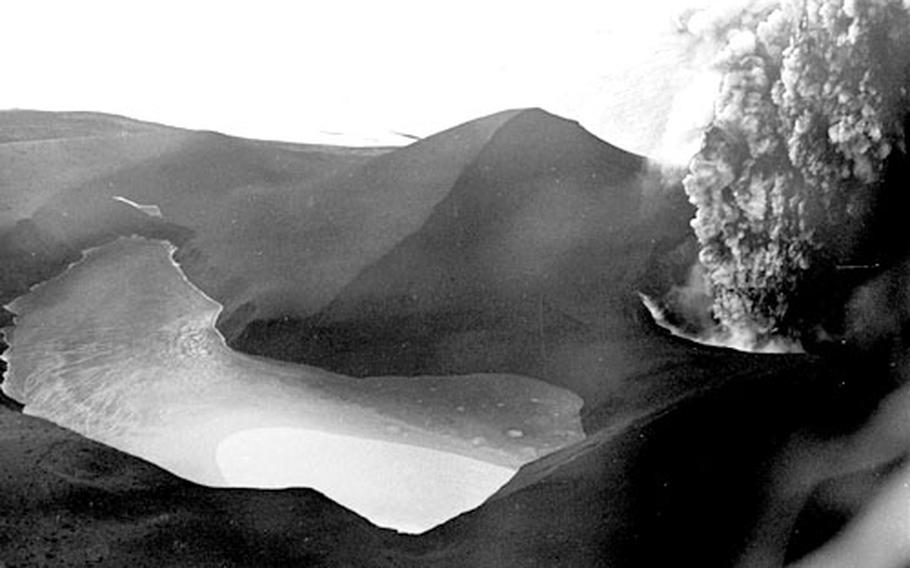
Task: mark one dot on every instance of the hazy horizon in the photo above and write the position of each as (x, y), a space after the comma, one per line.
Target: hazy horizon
(343, 72)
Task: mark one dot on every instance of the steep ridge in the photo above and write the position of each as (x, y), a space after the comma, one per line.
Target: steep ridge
(264, 228)
(289, 255)
(679, 469)
(276, 228)
(193, 182)
(59, 173)
(530, 266)
(61, 184)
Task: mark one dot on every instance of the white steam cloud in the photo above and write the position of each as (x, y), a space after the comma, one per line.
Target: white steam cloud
(710, 30)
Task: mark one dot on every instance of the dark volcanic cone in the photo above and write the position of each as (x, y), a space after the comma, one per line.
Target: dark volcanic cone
(529, 265)
(515, 243)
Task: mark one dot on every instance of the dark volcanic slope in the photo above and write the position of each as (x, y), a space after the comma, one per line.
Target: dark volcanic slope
(290, 254)
(703, 483)
(529, 265)
(689, 486)
(514, 243)
(66, 501)
(265, 228)
(57, 185)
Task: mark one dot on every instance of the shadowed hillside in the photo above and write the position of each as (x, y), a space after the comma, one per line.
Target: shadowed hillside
(696, 484)
(57, 185)
(290, 253)
(66, 501)
(529, 265)
(691, 485)
(512, 244)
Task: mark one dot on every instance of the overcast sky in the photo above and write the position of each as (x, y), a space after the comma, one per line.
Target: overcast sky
(300, 70)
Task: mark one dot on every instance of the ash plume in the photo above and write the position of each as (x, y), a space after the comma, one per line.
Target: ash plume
(808, 114)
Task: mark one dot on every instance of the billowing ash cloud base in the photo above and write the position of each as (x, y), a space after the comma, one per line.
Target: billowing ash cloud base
(714, 335)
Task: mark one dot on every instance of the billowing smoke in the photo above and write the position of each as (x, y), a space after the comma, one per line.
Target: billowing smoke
(703, 30)
(810, 106)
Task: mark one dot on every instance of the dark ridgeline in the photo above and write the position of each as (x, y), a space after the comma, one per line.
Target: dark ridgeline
(515, 243)
(528, 263)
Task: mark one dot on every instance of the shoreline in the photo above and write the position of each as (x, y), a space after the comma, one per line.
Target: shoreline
(10, 403)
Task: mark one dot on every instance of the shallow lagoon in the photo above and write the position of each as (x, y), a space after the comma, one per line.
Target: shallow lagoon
(123, 348)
